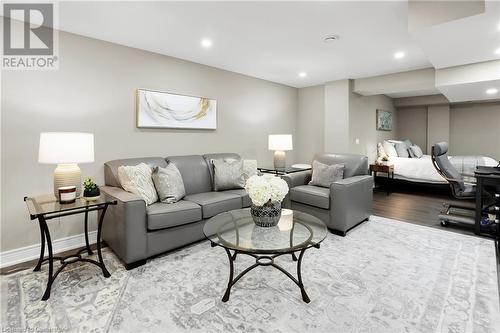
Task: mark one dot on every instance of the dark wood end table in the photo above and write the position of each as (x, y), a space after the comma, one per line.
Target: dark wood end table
(46, 207)
(384, 168)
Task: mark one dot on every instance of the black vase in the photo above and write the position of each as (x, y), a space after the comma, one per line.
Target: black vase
(95, 192)
(266, 216)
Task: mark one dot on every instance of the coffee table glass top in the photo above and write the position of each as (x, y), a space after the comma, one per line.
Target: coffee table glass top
(236, 230)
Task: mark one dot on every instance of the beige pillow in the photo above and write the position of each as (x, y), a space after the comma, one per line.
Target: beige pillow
(137, 179)
(324, 175)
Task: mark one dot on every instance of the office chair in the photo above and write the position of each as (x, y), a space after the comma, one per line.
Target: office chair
(460, 188)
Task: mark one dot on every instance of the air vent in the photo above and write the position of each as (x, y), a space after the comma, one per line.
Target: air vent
(331, 38)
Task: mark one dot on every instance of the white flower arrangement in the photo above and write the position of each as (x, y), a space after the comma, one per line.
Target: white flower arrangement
(263, 189)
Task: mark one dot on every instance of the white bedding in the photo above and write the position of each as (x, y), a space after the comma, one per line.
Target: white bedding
(421, 169)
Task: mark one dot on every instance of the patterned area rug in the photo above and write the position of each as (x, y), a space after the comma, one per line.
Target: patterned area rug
(385, 276)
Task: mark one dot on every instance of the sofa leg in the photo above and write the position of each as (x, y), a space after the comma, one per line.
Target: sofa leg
(338, 232)
(135, 264)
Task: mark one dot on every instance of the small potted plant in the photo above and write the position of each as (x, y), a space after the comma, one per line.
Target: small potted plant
(91, 190)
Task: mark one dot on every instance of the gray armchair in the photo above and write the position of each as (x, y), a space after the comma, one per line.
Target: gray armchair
(345, 204)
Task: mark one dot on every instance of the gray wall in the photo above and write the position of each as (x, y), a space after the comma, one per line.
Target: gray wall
(471, 128)
(310, 119)
(363, 124)
(93, 91)
(475, 129)
(412, 124)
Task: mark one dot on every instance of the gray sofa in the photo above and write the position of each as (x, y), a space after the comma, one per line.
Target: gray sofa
(345, 204)
(136, 232)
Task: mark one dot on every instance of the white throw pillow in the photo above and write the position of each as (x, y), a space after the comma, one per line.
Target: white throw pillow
(381, 151)
(416, 151)
(390, 150)
(137, 179)
(249, 168)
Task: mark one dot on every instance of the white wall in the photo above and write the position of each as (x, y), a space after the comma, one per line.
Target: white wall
(310, 129)
(93, 91)
(438, 125)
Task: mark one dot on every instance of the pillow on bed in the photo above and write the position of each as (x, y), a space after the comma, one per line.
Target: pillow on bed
(416, 151)
(389, 149)
(401, 149)
(381, 151)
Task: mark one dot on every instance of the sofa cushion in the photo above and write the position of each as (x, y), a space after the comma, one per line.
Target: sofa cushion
(194, 171)
(245, 198)
(162, 215)
(213, 203)
(311, 195)
(111, 167)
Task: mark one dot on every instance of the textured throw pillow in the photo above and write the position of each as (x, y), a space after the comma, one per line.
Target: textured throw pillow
(228, 174)
(168, 183)
(381, 151)
(324, 175)
(416, 151)
(389, 149)
(249, 168)
(137, 179)
(401, 149)
(408, 143)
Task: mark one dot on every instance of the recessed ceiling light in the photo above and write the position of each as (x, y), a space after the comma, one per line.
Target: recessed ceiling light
(331, 38)
(497, 51)
(399, 55)
(492, 91)
(302, 74)
(206, 43)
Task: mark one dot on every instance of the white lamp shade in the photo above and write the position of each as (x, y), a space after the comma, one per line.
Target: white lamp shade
(66, 147)
(280, 142)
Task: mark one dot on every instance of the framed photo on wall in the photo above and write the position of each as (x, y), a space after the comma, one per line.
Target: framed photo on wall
(384, 120)
(156, 109)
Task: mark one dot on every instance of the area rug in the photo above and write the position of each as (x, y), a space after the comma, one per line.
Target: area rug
(384, 276)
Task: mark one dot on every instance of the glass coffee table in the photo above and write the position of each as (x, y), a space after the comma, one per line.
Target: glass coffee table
(235, 231)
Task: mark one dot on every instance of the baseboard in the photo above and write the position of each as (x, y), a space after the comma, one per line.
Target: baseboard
(23, 254)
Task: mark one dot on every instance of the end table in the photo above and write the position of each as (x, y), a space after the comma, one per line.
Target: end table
(46, 207)
(385, 168)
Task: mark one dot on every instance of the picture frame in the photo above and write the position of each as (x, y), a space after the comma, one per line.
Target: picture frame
(165, 110)
(384, 120)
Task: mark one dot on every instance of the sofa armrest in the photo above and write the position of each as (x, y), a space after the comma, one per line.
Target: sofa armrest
(351, 201)
(295, 179)
(124, 227)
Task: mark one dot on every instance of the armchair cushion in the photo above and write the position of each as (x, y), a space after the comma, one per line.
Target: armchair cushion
(311, 195)
(164, 215)
(213, 203)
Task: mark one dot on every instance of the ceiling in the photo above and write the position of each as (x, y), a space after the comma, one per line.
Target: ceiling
(268, 40)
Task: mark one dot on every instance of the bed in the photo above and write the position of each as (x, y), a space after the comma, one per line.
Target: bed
(421, 170)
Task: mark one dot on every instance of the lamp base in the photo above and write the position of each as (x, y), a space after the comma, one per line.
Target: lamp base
(279, 159)
(68, 175)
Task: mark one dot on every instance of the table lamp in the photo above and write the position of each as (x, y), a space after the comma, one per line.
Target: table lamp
(66, 149)
(280, 143)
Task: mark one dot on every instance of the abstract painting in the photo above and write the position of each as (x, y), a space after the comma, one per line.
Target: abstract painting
(157, 109)
(384, 120)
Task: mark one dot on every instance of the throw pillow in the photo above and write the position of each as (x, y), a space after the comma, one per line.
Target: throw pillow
(168, 183)
(381, 151)
(228, 174)
(249, 168)
(416, 151)
(137, 179)
(324, 175)
(401, 149)
(389, 149)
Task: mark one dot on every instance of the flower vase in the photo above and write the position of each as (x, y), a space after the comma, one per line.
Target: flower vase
(267, 215)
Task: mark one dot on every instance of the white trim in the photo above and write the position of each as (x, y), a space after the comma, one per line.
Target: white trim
(23, 254)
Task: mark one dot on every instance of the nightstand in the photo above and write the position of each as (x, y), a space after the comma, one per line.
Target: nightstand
(384, 168)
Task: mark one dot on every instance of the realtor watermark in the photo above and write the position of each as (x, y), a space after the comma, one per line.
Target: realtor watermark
(30, 41)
